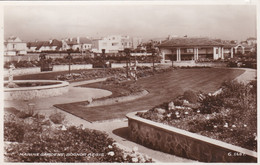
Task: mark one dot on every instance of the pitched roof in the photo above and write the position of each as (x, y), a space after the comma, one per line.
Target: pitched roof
(73, 42)
(186, 42)
(56, 43)
(84, 40)
(251, 38)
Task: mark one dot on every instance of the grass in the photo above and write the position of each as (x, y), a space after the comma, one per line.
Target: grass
(162, 87)
(117, 89)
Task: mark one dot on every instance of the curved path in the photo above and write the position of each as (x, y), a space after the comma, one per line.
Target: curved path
(248, 75)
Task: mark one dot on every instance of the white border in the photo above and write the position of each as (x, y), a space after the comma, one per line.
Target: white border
(53, 3)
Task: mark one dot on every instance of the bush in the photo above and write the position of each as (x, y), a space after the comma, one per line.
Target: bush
(190, 96)
(211, 104)
(39, 138)
(57, 118)
(13, 132)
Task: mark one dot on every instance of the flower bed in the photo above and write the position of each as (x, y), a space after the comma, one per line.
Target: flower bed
(36, 138)
(230, 116)
(91, 74)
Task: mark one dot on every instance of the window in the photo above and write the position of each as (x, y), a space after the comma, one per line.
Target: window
(189, 50)
(216, 51)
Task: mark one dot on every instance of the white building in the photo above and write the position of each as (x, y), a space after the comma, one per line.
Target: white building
(14, 46)
(78, 43)
(112, 44)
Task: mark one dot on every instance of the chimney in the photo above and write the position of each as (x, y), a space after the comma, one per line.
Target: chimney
(78, 40)
(50, 41)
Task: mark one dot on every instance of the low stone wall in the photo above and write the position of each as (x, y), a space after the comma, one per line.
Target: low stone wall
(121, 65)
(28, 93)
(35, 70)
(117, 99)
(182, 143)
(196, 64)
(72, 67)
(24, 71)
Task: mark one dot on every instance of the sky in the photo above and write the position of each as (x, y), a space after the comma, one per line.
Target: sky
(229, 22)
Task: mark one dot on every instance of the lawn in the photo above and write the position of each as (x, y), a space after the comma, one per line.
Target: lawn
(162, 87)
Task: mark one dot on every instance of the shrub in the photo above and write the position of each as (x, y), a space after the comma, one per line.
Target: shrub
(190, 96)
(211, 104)
(57, 118)
(23, 115)
(13, 131)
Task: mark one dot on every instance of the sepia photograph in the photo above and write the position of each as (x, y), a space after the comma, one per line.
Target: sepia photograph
(129, 82)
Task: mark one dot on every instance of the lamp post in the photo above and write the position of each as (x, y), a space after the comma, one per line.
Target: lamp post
(153, 51)
(127, 52)
(103, 57)
(69, 57)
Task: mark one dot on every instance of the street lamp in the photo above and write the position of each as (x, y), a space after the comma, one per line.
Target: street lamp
(69, 57)
(127, 53)
(153, 52)
(103, 57)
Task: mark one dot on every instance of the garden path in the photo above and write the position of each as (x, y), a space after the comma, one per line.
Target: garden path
(247, 76)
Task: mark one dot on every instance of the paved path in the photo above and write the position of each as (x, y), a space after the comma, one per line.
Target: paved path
(247, 76)
(116, 129)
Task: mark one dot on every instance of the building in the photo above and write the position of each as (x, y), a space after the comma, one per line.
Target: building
(14, 46)
(136, 42)
(251, 41)
(77, 44)
(43, 46)
(186, 49)
(111, 44)
(244, 48)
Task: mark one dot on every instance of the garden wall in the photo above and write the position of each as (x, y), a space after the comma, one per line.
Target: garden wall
(28, 93)
(121, 65)
(72, 67)
(23, 71)
(197, 64)
(182, 143)
(35, 70)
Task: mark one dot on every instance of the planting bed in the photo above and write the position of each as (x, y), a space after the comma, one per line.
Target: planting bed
(230, 116)
(34, 138)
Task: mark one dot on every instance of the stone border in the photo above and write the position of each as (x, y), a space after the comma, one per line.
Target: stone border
(183, 143)
(28, 93)
(115, 100)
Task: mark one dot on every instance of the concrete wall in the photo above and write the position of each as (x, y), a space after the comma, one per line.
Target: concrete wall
(28, 93)
(182, 143)
(35, 70)
(196, 64)
(73, 67)
(121, 65)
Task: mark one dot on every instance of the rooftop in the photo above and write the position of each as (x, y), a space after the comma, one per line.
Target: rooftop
(186, 42)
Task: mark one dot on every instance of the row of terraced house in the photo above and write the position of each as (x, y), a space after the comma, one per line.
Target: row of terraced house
(176, 48)
(112, 44)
